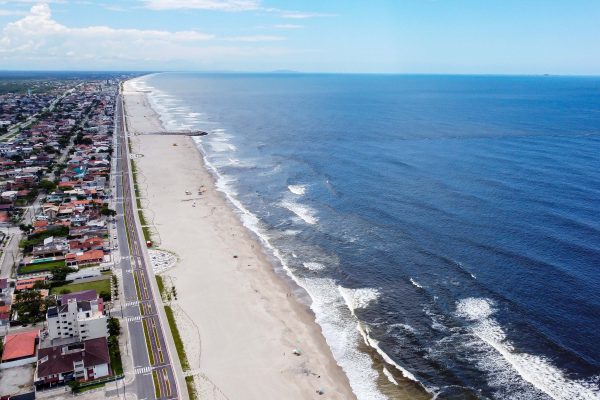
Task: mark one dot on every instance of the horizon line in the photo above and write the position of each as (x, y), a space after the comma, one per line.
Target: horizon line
(294, 72)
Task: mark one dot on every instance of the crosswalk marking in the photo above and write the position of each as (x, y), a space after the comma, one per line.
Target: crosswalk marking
(132, 303)
(143, 370)
(132, 319)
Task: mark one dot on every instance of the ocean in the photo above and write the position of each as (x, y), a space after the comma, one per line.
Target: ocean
(445, 228)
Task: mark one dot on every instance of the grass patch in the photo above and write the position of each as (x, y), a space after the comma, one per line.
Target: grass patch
(185, 365)
(115, 355)
(161, 285)
(89, 387)
(138, 202)
(102, 286)
(47, 266)
(147, 336)
(145, 228)
(156, 387)
(189, 382)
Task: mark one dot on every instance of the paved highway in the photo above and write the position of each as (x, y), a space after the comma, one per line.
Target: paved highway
(157, 371)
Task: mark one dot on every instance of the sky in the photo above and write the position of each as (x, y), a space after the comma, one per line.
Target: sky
(349, 36)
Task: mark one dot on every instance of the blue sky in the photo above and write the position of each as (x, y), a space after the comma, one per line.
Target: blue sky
(387, 36)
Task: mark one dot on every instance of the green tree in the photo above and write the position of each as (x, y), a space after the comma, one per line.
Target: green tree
(30, 307)
(108, 212)
(59, 274)
(47, 185)
(114, 327)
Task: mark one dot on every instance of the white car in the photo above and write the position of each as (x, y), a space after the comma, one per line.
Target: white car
(115, 237)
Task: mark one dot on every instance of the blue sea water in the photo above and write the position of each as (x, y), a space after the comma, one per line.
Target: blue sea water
(446, 228)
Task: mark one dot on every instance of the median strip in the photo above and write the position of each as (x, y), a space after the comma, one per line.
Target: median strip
(148, 343)
(156, 386)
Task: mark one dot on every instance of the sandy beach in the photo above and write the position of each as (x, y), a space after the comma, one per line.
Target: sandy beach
(239, 320)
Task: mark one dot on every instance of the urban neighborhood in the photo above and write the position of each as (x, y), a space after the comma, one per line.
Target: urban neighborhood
(57, 286)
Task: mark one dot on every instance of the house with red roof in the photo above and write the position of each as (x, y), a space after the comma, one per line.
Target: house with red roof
(85, 258)
(19, 349)
(29, 282)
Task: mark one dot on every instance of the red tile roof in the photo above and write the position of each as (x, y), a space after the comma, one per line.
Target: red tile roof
(19, 345)
(90, 256)
(27, 283)
(40, 223)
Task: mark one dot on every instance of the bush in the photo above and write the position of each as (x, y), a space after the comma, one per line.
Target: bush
(114, 327)
(47, 185)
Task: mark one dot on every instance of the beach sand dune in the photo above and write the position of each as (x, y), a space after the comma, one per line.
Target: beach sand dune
(239, 321)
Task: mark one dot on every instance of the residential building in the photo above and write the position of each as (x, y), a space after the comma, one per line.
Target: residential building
(81, 361)
(77, 320)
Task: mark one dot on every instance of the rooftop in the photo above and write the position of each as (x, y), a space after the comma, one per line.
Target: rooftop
(19, 345)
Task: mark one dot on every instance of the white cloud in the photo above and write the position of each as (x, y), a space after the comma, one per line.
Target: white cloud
(255, 38)
(229, 5)
(304, 15)
(38, 40)
(219, 5)
(287, 26)
(5, 13)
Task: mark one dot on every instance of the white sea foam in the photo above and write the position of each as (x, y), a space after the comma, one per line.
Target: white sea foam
(358, 298)
(297, 189)
(304, 212)
(403, 326)
(338, 326)
(375, 344)
(314, 266)
(220, 146)
(389, 375)
(415, 283)
(536, 370)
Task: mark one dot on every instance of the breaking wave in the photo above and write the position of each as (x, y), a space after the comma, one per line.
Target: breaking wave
(297, 189)
(304, 212)
(536, 370)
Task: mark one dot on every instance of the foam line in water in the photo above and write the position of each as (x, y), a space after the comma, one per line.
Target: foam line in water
(389, 375)
(304, 212)
(297, 189)
(358, 298)
(314, 266)
(536, 370)
(375, 344)
(415, 283)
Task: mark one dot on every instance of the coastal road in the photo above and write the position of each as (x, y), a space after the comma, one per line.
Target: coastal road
(157, 371)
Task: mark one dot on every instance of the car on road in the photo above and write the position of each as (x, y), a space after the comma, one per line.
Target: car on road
(115, 237)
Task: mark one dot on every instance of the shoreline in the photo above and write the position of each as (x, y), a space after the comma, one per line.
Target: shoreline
(240, 354)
